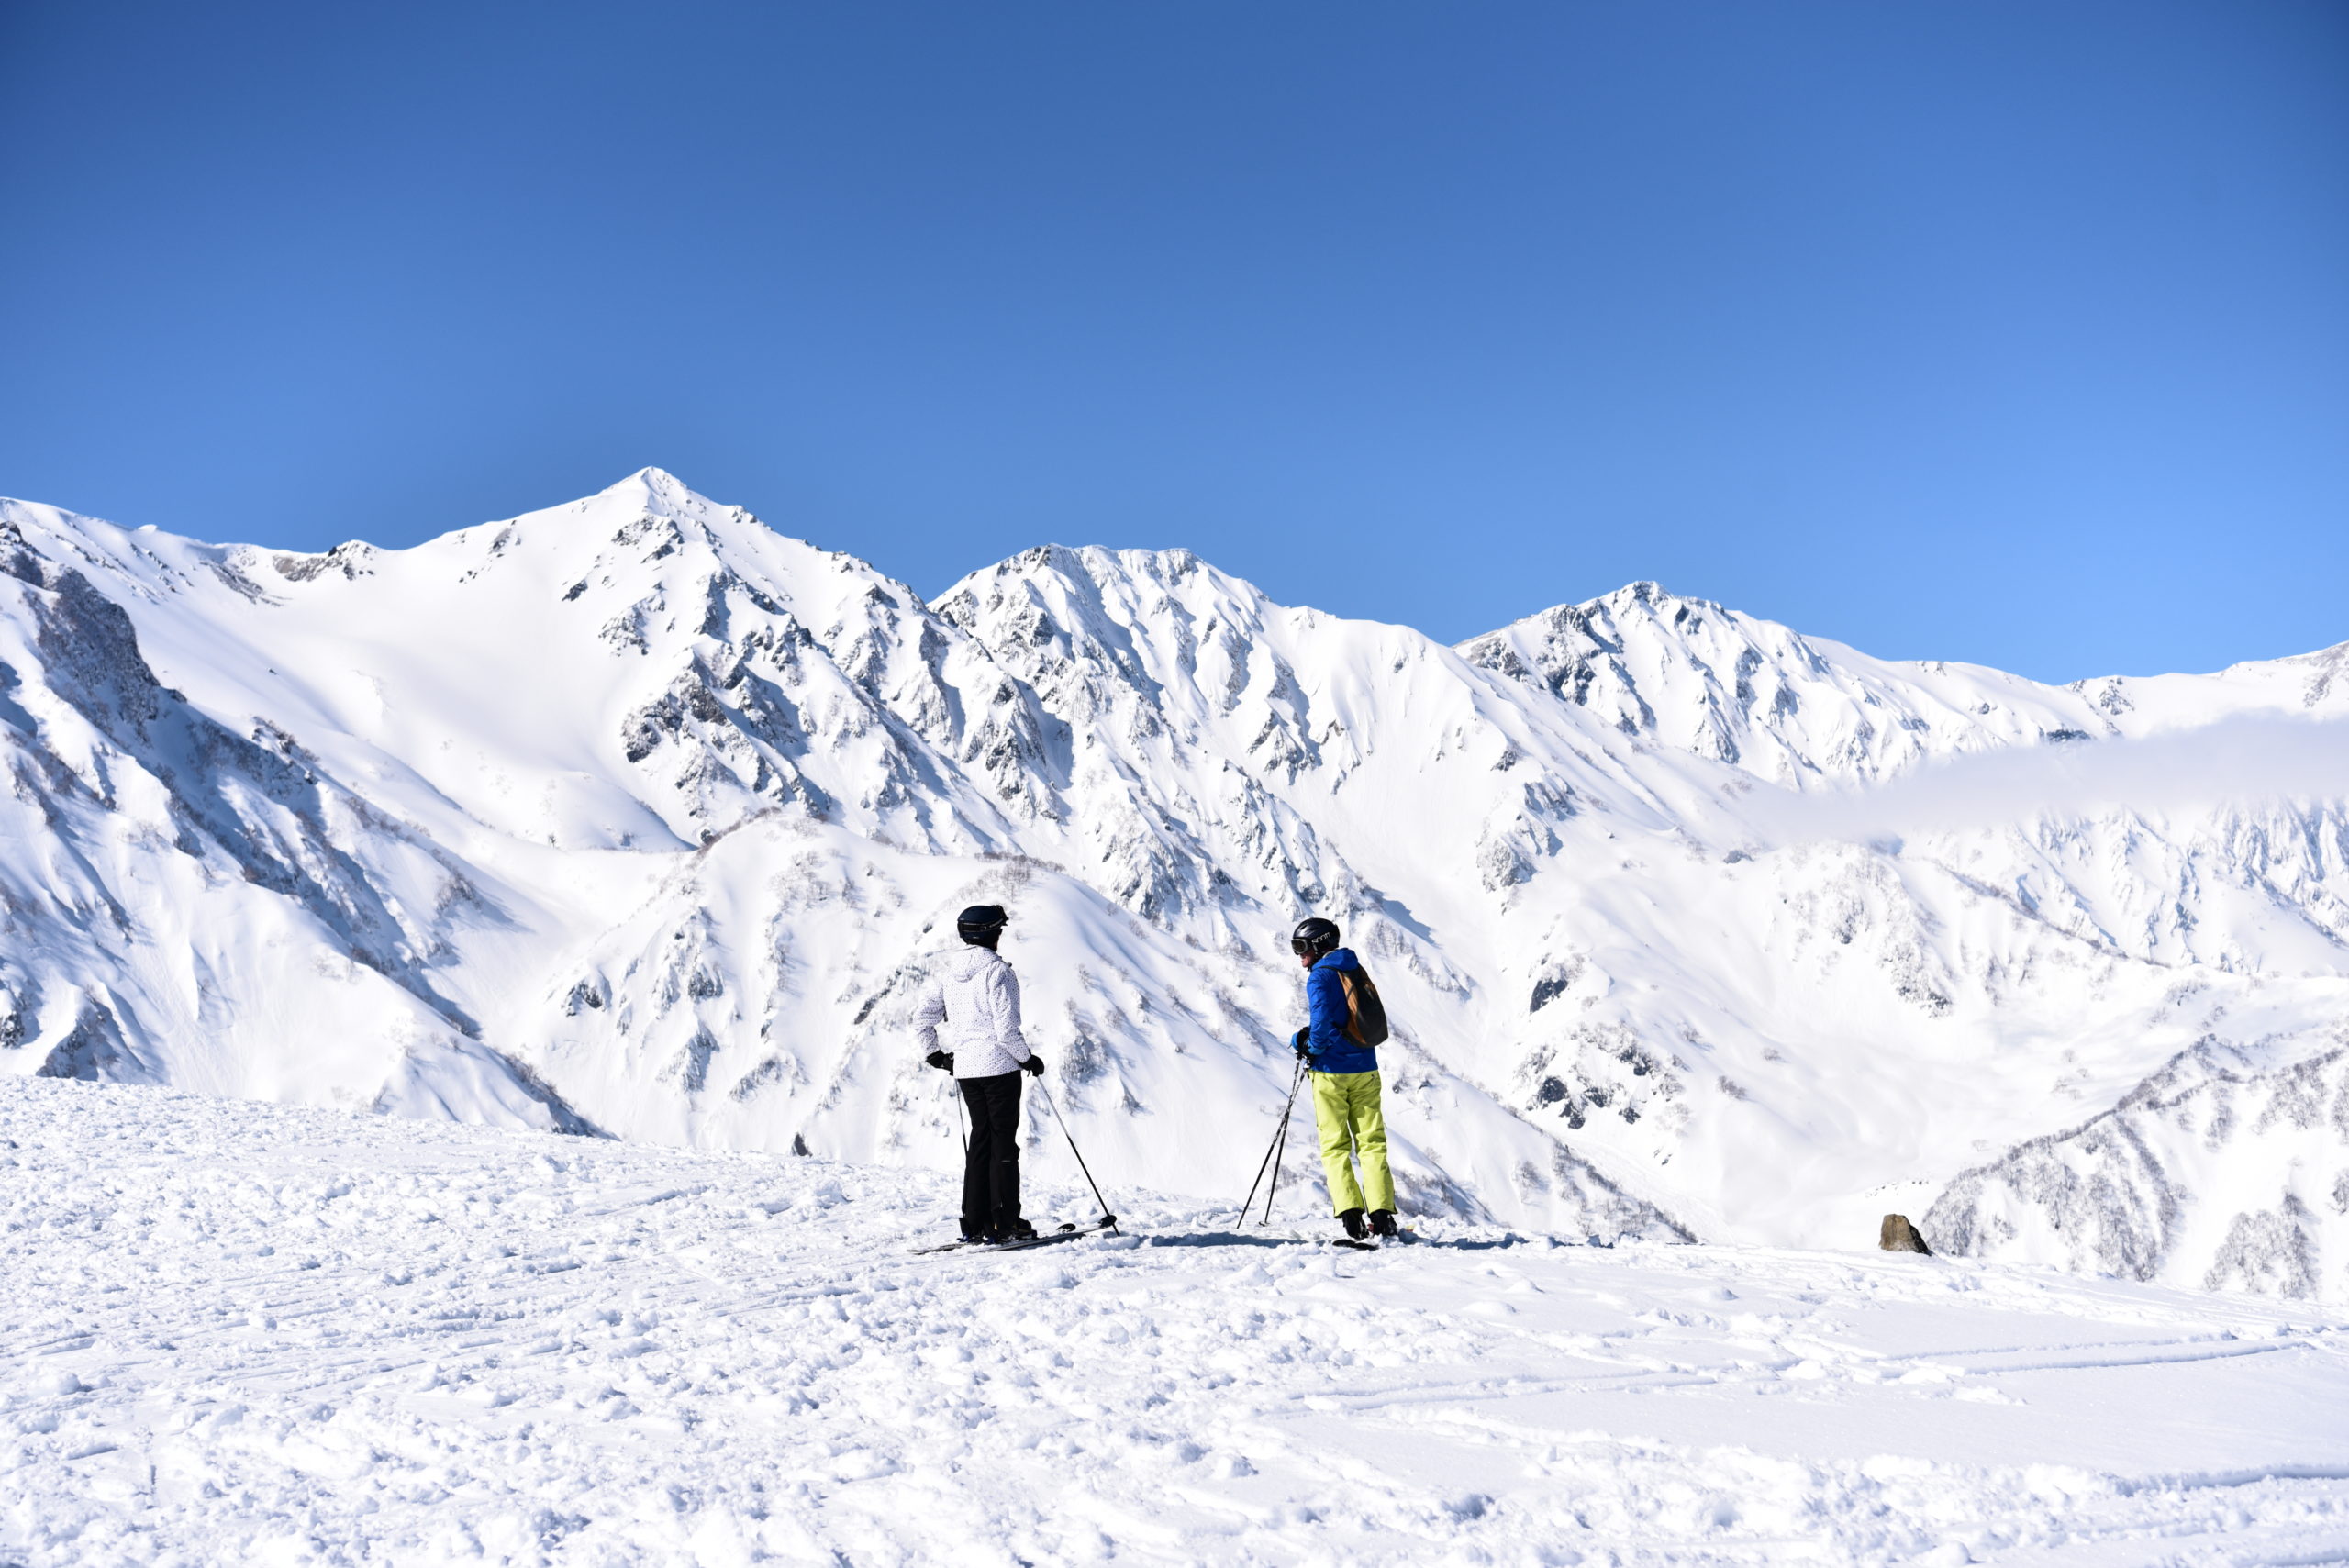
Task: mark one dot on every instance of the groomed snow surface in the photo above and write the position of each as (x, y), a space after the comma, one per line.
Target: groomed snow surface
(239, 1333)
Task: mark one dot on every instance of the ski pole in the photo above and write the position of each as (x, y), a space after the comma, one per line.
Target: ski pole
(1107, 1217)
(1278, 1133)
(1262, 1167)
(1280, 1151)
(1280, 1139)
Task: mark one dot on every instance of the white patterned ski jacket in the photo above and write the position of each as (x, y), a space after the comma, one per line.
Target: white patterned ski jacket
(974, 1012)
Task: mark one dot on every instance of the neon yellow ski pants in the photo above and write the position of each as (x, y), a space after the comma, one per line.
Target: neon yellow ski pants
(1347, 1110)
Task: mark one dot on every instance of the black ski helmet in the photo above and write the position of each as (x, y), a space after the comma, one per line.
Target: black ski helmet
(981, 923)
(1313, 935)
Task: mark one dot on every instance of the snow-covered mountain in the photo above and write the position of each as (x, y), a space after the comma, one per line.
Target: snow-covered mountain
(634, 816)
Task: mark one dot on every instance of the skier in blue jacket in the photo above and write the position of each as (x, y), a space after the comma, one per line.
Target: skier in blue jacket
(1346, 1099)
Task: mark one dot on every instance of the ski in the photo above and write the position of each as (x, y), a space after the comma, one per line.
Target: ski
(1046, 1237)
(1041, 1238)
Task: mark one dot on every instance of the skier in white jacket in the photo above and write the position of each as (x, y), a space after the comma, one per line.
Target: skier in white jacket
(976, 1006)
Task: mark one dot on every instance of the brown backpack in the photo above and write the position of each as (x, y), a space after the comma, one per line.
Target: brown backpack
(1365, 1014)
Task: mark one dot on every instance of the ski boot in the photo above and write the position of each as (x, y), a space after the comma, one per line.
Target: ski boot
(1382, 1222)
(1351, 1220)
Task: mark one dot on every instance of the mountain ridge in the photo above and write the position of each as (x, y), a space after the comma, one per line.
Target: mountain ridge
(668, 807)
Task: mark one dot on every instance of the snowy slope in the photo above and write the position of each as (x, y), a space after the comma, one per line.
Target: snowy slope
(243, 1333)
(187, 903)
(633, 813)
(2218, 1157)
(712, 791)
(1699, 978)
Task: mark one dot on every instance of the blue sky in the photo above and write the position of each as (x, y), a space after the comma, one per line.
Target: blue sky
(2010, 332)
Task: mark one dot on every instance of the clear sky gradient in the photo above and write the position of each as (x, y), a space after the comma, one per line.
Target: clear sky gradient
(2016, 333)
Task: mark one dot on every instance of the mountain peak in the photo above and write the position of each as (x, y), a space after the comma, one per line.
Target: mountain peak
(1649, 595)
(1093, 570)
(661, 492)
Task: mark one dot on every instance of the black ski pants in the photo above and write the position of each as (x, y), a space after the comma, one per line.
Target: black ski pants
(991, 1169)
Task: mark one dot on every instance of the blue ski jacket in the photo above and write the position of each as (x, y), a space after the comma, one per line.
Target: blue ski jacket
(1327, 1049)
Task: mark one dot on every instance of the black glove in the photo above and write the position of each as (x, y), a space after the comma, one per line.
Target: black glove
(1035, 1065)
(1298, 1040)
(941, 1059)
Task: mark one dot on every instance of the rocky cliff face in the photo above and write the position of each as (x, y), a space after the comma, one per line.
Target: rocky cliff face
(633, 813)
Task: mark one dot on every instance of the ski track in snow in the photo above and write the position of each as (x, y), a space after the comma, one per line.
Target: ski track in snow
(245, 1333)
